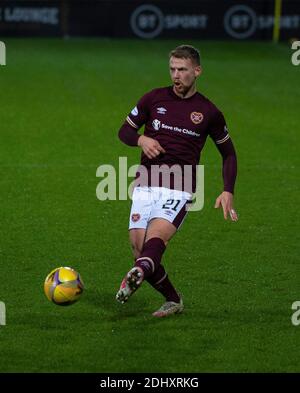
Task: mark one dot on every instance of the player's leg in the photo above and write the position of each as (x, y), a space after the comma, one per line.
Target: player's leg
(160, 231)
(139, 216)
(161, 228)
(168, 215)
(135, 276)
(137, 238)
(166, 211)
(148, 256)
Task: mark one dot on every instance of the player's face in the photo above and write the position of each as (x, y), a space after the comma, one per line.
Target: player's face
(183, 74)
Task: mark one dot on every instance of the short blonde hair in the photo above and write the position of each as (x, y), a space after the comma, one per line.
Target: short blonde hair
(186, 52)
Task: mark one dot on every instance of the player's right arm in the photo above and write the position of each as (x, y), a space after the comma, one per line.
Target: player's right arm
(128, 133)
(150, 146)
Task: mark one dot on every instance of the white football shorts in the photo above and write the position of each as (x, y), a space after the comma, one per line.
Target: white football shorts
(158, 202)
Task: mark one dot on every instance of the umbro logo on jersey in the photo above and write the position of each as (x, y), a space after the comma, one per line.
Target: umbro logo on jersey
(161, 110)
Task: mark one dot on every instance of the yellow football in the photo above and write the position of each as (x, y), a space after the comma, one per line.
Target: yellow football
(63, 286)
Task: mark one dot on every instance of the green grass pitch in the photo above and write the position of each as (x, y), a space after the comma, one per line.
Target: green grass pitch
(62, 103)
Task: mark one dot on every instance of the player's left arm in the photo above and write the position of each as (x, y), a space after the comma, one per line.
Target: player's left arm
(221, 137)
(229, 171)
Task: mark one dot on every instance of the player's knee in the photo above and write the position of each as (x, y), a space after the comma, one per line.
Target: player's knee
(160, 236)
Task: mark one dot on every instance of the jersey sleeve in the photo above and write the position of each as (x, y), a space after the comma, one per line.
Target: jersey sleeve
(140, 113)
(218, 129)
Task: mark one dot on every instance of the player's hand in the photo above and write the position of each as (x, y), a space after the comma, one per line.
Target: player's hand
(150, 146)
(226, 201)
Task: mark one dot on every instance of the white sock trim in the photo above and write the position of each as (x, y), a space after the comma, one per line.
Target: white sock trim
(162, 279)
(149, 260)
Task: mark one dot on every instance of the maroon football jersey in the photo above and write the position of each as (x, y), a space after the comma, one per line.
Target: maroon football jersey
(181, 126)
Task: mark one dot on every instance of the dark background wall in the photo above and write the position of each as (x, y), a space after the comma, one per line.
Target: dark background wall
(240, 20)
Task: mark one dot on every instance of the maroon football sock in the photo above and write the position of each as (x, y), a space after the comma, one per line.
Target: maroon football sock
(154, 272)
(151, 255)
(160, 281)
